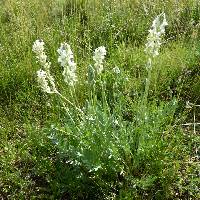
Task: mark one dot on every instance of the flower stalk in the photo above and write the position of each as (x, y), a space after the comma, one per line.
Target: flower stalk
(154, 41)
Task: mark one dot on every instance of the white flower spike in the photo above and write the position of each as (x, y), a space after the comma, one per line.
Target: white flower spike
(99, 56)
(38, 49)
(43, 77)
(66, 60)
(155, 33)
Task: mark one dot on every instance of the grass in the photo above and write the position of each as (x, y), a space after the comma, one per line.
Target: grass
(151, 156)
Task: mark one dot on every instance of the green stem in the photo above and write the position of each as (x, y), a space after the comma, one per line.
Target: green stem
(146, 91)
(69, 102)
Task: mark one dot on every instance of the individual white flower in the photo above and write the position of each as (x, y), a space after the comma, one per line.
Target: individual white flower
(116, 70)
(116, 122)
(155, 33)
(66, 60)
(99, 56)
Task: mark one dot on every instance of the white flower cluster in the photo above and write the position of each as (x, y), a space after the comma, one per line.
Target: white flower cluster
(99, 55)
(155, 33)
(44, 77)
(38, 49)
(66, 60)
(43, 81)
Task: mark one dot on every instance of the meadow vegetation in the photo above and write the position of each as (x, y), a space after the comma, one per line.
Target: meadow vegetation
(127, 128)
